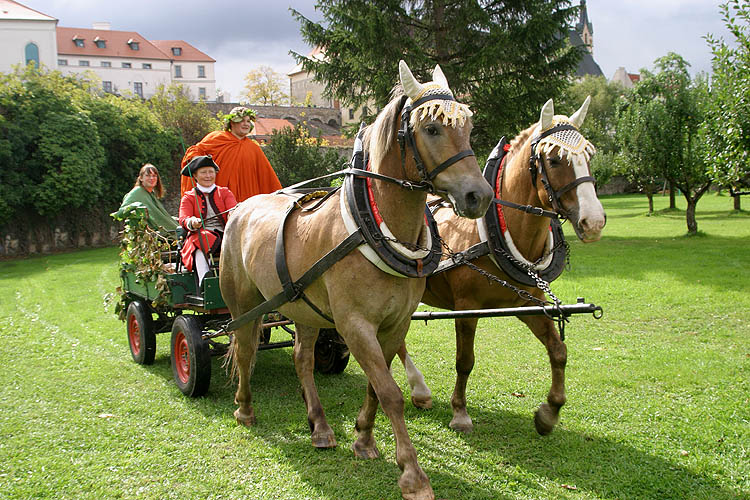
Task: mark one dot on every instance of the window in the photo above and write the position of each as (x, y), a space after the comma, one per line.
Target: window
(201, 71)
(127, 65)
(133, 44)
(106, 64)
(101, 44)
(202, 93)
(176, 51)
(177, 71)
(138, 89)
(83, 63)
(351, 113)
(32, 53)
(146, 65)
(62, 62)
(78, 42)
(107, 87)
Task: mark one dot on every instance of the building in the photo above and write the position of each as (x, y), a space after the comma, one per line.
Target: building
(583, 36)
(25, 36)
(126, 62)
(304, 90)
(627, 80)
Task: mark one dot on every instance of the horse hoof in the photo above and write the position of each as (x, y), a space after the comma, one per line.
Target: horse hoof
(365, 452)
(324, 441)
(545, 419)
(425, 494)
(422, 403)
(246, 419)
(462, 424)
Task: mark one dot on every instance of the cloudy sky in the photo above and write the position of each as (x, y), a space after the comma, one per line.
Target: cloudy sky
(245, 34)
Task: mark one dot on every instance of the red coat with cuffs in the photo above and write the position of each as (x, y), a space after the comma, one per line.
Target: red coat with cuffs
(221, 199)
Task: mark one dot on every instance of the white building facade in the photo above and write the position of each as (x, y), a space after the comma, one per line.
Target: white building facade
(126, 62)
(26, 35)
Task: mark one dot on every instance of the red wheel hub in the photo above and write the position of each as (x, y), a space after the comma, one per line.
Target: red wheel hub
(134, 334)
(182, 357)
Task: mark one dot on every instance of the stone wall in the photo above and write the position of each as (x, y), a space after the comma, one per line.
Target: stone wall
(293, 114)
(45, 236)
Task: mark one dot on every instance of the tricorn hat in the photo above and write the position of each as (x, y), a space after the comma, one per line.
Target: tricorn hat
(198, 162)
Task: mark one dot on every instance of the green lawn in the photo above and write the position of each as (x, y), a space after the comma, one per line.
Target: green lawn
(658, 390)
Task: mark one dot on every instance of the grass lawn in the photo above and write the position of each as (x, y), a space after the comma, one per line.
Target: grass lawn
(658, 390)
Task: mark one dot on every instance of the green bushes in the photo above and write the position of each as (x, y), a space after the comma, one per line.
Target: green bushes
(64, 146)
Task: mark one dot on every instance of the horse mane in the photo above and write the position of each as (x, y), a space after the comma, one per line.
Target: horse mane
(379, 137)
(518, 142)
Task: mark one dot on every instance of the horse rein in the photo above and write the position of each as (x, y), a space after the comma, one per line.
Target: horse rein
(536, 167)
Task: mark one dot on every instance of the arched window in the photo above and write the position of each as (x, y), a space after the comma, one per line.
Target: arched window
(32, 53)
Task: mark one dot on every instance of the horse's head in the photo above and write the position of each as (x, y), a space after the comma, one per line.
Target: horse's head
(437, 128)
(560, 158)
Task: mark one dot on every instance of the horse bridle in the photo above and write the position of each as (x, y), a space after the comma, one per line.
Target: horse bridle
(406, 137)
(536, 167)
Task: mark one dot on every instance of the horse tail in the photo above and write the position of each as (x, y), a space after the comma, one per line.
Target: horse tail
(230, 362)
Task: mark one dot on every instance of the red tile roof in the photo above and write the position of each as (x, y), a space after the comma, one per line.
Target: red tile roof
(188, 52)
(116, 41)
(266, 126)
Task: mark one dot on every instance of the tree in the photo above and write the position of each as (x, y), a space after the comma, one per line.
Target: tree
(662, 123)
(264, 86)
(728, 128)
(296, 156)
(504, 59)
(599, 125)
(175, 109)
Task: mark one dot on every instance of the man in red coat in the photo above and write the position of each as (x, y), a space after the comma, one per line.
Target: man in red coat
(245, 170)
(203, 213)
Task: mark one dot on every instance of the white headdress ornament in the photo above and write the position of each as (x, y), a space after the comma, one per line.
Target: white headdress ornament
(451, 112)
(570, 142)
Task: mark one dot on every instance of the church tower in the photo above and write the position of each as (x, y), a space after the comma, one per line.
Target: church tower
(585, 28)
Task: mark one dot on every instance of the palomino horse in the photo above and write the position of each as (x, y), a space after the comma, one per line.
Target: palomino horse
(370, 308)
(562, 164)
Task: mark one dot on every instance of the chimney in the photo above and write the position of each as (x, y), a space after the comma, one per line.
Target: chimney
(102, 25)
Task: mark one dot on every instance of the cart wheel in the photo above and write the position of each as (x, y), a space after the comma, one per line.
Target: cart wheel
(191, 359)
(331, 352)
(141, 336)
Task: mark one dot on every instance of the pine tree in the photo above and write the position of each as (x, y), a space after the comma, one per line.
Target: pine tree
(504, 59)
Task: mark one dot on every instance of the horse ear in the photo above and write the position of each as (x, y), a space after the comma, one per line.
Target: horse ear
(578, 117)
(439, 77)
(548, 112)
(412, 88)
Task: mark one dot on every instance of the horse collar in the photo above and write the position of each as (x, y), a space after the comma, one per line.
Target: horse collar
(360, 213)
(493, 229)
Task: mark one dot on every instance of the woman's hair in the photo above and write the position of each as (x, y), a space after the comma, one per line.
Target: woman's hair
(148, 168)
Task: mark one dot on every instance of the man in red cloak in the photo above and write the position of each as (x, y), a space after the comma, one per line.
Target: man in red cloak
(245, 170)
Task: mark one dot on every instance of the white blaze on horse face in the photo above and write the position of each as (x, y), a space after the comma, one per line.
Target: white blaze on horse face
(591, 218)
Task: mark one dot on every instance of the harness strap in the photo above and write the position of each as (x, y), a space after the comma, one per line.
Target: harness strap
(529, 209)
(450, 161)
(458, 259)
(580, 180)
(322, 265)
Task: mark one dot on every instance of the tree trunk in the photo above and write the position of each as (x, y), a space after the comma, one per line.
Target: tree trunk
(692, 225)
(672, 189)
(650, 197)
(736, 202)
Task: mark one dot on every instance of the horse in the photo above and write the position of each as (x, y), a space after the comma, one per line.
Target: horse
(418, 143)
(545, 169)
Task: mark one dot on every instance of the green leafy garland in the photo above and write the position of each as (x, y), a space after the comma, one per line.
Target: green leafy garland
(140, 253)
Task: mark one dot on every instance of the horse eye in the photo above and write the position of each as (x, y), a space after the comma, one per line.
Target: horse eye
(555, 161)
(432, 130)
